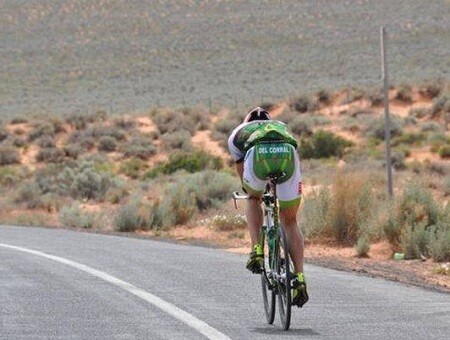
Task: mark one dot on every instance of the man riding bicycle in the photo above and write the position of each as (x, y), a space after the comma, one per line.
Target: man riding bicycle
(262, 146)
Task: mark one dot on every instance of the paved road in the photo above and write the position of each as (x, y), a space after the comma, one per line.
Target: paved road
(58, 284)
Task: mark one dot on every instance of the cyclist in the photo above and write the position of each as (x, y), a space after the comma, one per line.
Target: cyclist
(261, 146)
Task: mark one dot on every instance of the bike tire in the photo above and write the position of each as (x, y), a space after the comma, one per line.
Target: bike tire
(268, 290)
(284, 270)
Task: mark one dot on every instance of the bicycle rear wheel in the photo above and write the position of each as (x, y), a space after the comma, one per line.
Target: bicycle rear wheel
(284, 270)
(268, 290)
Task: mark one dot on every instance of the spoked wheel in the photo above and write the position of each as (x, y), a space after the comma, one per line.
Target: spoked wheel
(284, 266)
(268, 291)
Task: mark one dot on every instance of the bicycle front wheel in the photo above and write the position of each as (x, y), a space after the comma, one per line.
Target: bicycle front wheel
(268, 289)
(284, 269)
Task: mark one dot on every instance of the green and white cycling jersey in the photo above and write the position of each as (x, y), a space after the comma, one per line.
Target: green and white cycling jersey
(250, 134)
(266, 148)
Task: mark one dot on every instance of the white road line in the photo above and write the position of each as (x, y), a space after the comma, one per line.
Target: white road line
(177, 313)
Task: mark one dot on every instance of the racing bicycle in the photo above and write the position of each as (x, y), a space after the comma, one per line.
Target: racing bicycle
(277, 272)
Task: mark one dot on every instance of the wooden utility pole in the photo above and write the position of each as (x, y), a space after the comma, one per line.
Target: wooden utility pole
(384, 71)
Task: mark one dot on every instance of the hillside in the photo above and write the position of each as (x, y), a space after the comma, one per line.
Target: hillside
(167, 173)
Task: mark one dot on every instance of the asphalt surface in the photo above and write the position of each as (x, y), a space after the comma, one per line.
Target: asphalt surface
(62, 284)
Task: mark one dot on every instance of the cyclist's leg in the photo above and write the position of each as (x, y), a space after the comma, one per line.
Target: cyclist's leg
(253, 212)
(289, 195)
(254, 188)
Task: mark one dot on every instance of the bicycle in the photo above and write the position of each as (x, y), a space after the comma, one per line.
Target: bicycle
(277, 273)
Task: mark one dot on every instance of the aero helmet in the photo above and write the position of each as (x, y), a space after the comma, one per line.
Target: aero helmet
(257, 114)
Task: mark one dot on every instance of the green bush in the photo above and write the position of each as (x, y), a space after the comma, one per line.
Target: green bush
(323, 144)
(190, 162)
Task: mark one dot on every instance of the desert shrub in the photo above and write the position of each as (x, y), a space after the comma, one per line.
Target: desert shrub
(441, 104)
(98, 131)
(81, 121)
(376, 127)
(107, 144)
(116, 194)
(446, 186)
(444, 151)
(439, 247)
(139, 147)
(9, 175)
(343, 212)
(323, 144)
(46, 142)
(40, 130)
(50, 155)
(362, 246)
(324, 96)
(135, 215)
(398, 157)
(169, 121)
(199, 116)
(80, 181)
(18, 120)
(191, 193)
(73, 151)
(8, 155)
(431, 90)
(375, 97)
(30, 194)
(178, 140)
(432, 127)
(228, 222)
(188, 161)
(409, 138)
(133, 167)
(419, 112)
(417, 222)
(125, 124)
(19, 142)
(83, 139)
(75, 217)
(353, 94)
(3, 133)
(301, 127)
(404, 94)
(352, 206)
(303, 104)
(315, 212)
